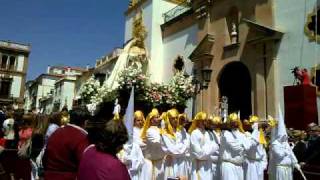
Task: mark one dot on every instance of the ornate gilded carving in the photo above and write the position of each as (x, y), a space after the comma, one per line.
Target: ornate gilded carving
(312, 25)
(132, 3)
(139, 31)
(315, 77)
(177, 1)
(137, 53)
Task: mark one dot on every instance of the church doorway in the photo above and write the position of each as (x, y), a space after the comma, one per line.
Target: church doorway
(235, 83)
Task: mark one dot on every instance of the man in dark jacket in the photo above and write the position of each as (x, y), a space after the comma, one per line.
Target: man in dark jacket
(313, 148)
(300, 146)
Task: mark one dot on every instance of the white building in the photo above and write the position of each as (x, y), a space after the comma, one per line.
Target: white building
(49, 91)
(39, 89)
(163, 49)
(64, 93)
(105, 65)
(13, 71)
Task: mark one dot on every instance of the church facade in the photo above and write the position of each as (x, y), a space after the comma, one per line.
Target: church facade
(250, 46)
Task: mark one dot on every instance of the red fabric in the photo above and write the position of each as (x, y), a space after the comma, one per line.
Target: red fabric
(12, 164)
(59, 175)
(300, 103)
(63, 153)
(2, 142)
(305, 78)
(96, 165)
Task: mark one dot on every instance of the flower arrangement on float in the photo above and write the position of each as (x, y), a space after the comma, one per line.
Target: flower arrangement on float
(147, 95)
(181, 88)
(104, 94)
(174, 94)
(132, 76)
(89, 89)
(155, 94)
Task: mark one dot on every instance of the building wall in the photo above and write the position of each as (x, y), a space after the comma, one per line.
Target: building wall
(181, 43)
(147, 20)
(16, 86)
(157, 43)
(45, 86)
(64, 93)
(67, 94)
(152, 11)
(128, 27)
(39, 95)
(48, 106)
(48, 82)
(20, 63)
(295, 48)
(224, 52)
(27, 98)
(17, 72)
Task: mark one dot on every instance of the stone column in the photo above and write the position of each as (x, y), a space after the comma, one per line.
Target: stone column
(272, 80)
(260, 107)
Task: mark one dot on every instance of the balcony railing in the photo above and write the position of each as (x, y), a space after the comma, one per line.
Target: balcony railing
(177, 11)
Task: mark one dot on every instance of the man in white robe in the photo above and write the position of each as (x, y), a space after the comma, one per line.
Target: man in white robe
(234, 145)
(214, 136)
(151, 134)
(132, 156)
(173, 146)
(201, 149)
(182, 135)
(256, 156)
(282, 159)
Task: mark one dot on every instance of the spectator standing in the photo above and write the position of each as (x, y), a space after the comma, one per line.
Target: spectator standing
(65, 147)
(99, 160)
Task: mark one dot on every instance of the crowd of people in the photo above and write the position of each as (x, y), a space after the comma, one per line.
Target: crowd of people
(167, 145)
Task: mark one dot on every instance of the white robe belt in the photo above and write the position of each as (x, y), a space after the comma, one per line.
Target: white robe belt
(237, 163)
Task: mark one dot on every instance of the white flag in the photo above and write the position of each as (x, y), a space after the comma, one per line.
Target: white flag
(129, 116)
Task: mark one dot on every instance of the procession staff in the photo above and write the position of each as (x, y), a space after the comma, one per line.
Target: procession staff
(151, 136)
(172, 146)
(201, 148)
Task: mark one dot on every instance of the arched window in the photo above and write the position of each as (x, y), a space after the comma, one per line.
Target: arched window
(4, 61)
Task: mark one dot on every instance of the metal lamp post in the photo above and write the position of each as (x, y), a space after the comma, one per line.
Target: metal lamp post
(206, 77)
(201, 84)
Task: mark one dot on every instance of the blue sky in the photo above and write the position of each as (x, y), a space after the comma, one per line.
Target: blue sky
(63, 32)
